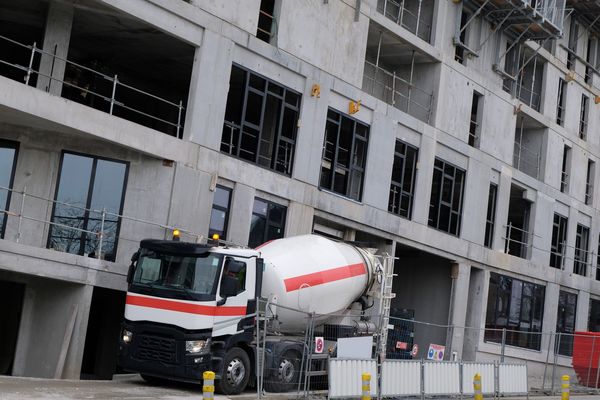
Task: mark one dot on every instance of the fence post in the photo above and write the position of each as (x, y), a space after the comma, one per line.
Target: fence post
(21, 213)
(112, 97)
(477, 387)
(366, 386)
(208, 388)
(30, 67)
(556, 347)
(100, 240)
(565, 388)
(503, 347)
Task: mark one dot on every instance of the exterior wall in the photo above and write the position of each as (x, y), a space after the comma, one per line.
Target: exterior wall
(316, 44)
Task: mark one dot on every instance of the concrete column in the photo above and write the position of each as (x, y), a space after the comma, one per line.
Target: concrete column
(56, 42)
(475, 318)
(583, 309)
(550, 317)
(502, 204)
(423, 180)
(299, 219)
(476, 201)
(571, 237)
(380, 160)
(458, 313)
(209, 86)
(241, 213)
(542, 229)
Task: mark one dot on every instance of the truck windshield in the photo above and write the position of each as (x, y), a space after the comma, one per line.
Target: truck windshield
(176, 276)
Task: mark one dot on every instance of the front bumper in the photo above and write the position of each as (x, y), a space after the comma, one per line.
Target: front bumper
(159, 350)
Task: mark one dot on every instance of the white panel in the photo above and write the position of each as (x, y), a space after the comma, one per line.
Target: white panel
(512, 379)
(401, 378)
(487, 377)
(345, 377)
(442, 377)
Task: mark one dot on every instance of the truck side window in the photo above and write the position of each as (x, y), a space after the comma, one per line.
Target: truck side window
(238, 271)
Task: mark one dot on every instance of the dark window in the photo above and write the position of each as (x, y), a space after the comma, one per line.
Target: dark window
(559, 241)
(475, 123)
(581, 250)
(565, 323)
(490, 218)
(445, 208)
(589, 182)
(594, 316)
(459, 54)
(516, 306)
(86, 186)
(344, 155)
(564, 174)
(572, 45)
(267, 25)
(261, 120)
(8, 162)
(589, 57)
(598, 262)
(562, 103)
(518, 237)
(403, 179)
(268, 222)
(219, 214)
(583, 117)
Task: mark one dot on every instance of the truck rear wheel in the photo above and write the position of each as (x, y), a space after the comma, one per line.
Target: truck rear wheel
(287, 374)
(235, 373)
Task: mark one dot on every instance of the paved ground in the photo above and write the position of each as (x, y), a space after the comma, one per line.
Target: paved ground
(132, 387)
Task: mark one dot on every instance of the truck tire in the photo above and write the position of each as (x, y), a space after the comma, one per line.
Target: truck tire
(235, 373)
(286, 375)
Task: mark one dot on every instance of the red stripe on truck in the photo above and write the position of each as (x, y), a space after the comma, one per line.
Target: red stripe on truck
(189, 308)
(321, 277)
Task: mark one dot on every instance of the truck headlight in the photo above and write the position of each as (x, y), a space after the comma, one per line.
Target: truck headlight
(197, 346)
(126, 336)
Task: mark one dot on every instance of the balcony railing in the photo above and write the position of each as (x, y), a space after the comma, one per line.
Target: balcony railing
(109, 98)
(526, 160)
(397, 11)
(398, 92)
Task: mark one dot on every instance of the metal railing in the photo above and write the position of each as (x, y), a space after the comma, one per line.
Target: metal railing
(526, 160)
(523, 244)
(398, 92)
(116, 86)
(397, 11)
(528, 96)
(100, 234)
(551, 10)
(589, 193)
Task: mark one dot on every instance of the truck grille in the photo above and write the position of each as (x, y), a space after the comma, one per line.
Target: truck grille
(156, 349)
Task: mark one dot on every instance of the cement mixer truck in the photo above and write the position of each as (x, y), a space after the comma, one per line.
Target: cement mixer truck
(192, 307)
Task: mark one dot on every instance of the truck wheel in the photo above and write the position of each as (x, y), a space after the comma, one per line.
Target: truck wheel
(235, 373)
(287, 374)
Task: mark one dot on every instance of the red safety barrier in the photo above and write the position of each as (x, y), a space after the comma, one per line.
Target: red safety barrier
(586, 358)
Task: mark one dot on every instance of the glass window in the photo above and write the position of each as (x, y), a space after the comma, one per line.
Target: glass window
(491, 215)
(581, 250)
(268, 222)
(403, 179)
(583, 117)
(594, 316)
(219, 214)
(344, 155)
(261, 121)
(8, 162)
(565, 323)
(516, 306)
(559, 240)
(562, 102)
(445, 208)
(86, 186)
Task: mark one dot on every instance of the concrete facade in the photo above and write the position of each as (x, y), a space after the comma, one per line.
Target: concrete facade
(170, 181)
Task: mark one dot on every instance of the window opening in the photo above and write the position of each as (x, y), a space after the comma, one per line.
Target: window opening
(219, 215)
(516, 306)
(565, 323)
(344, 155)
(518, 236)
(572, 46)
(475, 122)
(403, 179)
(490, 220)
(8, 164)
(261, 121)
(565, 171)
(460, 53)
(267, 22)
(583, 116)
(89, 199)
(594, 316)
(581, 250)
(445, 207)
(562, 102)
(559, 241)
(268, 222)
(589, 182)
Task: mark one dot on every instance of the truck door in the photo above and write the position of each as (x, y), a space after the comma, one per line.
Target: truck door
(236, 288)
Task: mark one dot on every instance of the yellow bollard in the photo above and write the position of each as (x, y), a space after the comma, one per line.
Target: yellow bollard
(208, 388)
(477, 387)
(366, 386)
(565, 387)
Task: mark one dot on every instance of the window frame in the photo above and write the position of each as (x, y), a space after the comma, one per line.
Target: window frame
(490, 220)
(557, 246)
(580, 258)
(561, 106)
(475, 124)
(353, 167)
(435, 222)
(220, 208)
(236, 148)
(565, 346)
(265, 239)
(584, 117)
(589, 183)
(9, 144)
(89, 197)
(397, 189)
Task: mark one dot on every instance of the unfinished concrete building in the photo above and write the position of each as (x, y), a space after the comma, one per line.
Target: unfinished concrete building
(460, 136)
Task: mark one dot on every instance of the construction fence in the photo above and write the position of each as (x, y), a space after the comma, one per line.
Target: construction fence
(413, 358)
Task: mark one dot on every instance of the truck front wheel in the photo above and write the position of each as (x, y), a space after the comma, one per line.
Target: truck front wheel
(235, 373)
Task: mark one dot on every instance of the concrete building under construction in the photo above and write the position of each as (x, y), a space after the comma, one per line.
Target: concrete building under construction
(461, 136)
